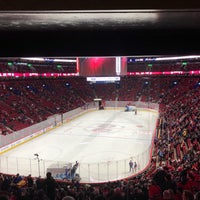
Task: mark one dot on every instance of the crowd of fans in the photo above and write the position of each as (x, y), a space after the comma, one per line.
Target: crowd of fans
(174, 173)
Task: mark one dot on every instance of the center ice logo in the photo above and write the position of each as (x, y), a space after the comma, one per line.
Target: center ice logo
(104, 128)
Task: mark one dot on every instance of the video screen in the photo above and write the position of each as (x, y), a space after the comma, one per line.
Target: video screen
(102, 66)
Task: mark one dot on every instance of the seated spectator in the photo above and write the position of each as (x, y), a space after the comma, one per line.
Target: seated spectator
(68, 198)
(168, 195)
(187, 195)
(155, 192)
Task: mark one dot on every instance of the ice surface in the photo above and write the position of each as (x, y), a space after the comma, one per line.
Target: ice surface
(102, 141)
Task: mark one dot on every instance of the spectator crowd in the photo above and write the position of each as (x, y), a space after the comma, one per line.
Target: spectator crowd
(174, 173)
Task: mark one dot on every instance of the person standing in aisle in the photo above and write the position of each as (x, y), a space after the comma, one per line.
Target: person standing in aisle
(135, 166)
(50, 186)
(130, 165)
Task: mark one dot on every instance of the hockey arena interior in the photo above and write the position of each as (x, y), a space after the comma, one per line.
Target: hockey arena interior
(41, 95)
(111, 126)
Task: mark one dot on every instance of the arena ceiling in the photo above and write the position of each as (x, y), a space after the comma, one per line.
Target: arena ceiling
(74, 33)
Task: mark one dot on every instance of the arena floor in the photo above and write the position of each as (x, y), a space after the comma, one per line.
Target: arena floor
(102, 141)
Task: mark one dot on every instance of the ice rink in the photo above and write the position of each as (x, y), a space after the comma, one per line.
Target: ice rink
(102, 141)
